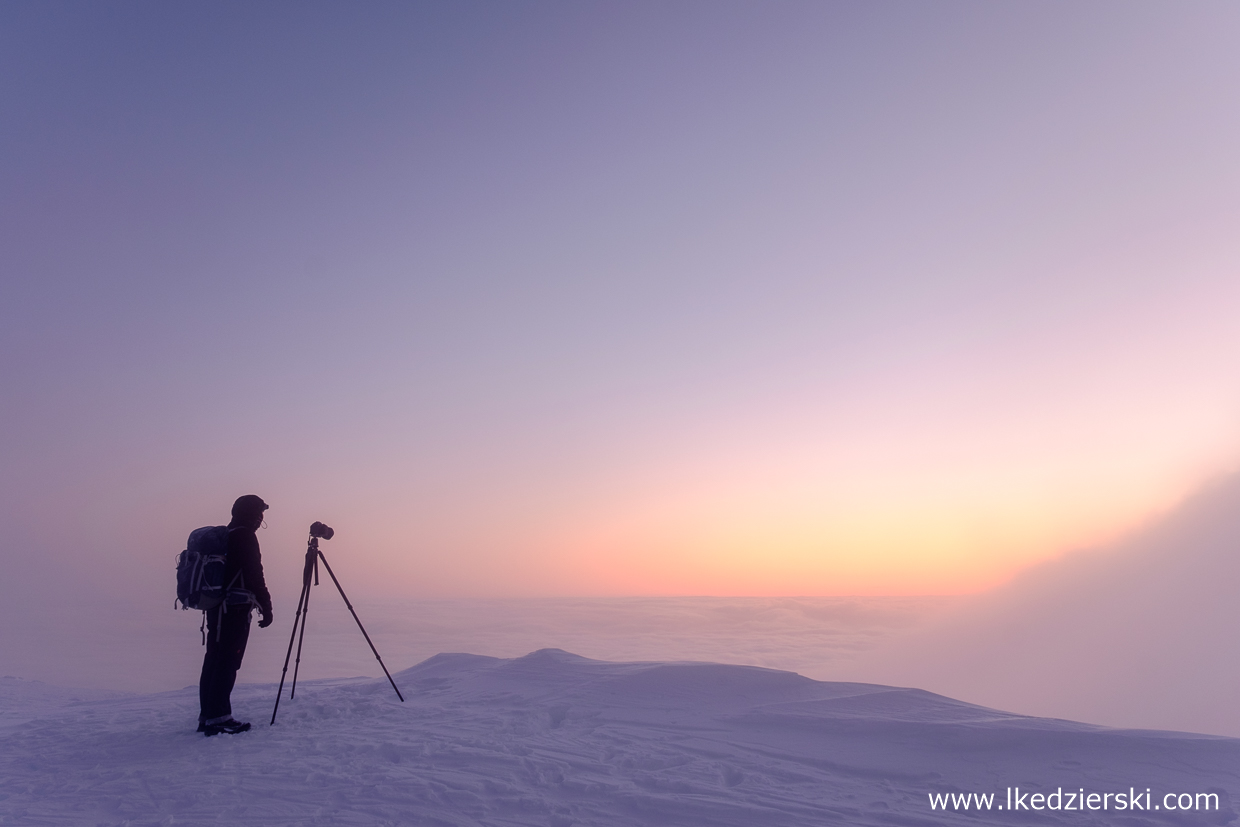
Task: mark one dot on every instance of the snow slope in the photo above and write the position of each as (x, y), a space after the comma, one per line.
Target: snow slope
(555, 739)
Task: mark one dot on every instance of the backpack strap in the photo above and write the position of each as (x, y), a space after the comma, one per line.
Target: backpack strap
(251, 601)
(229, 589)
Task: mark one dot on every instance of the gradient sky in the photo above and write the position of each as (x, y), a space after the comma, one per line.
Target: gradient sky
(613, 298)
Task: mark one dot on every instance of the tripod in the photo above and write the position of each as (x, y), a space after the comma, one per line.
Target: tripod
(313, 556)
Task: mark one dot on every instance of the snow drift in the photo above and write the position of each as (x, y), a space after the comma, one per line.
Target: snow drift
(555, 739)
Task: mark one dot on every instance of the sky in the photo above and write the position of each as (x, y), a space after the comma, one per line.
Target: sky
(612, 298)
(1139, 634)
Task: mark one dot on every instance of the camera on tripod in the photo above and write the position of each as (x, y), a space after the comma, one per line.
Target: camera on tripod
(310, 575)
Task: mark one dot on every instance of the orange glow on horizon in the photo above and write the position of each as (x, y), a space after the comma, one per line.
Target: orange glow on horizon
(935, 536)
(948, 509)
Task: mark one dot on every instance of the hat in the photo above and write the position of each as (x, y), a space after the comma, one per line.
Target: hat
(251, 505)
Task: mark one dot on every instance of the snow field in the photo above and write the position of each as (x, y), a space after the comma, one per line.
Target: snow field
(554, 739)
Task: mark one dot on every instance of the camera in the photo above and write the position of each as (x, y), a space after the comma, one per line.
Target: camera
(321, 530)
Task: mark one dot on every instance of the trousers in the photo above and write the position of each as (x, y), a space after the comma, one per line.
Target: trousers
(227, 633)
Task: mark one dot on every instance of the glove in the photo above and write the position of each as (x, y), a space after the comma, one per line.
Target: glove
(266, 621)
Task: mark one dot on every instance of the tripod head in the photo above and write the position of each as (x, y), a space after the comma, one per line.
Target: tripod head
(317, 531)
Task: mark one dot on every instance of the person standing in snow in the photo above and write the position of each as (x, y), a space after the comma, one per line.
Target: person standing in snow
(228, 626)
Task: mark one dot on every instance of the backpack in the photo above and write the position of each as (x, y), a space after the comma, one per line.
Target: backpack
(200, 569)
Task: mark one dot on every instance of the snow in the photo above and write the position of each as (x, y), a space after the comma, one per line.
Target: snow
(556, 739)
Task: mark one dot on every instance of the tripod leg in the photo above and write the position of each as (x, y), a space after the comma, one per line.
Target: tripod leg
(305, 612)
(305, 592)
(360, 626)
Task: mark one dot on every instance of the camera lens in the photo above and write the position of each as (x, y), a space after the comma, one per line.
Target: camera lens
(321, 530)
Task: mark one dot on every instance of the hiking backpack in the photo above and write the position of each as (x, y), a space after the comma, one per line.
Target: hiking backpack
(200, 569)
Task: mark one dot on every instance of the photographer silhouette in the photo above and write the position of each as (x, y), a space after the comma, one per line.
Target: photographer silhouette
(228, 625)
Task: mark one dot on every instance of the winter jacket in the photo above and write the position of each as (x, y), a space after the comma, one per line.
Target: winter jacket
(244, 557)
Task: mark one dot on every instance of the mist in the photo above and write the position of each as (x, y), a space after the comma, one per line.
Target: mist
(1141, 633)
